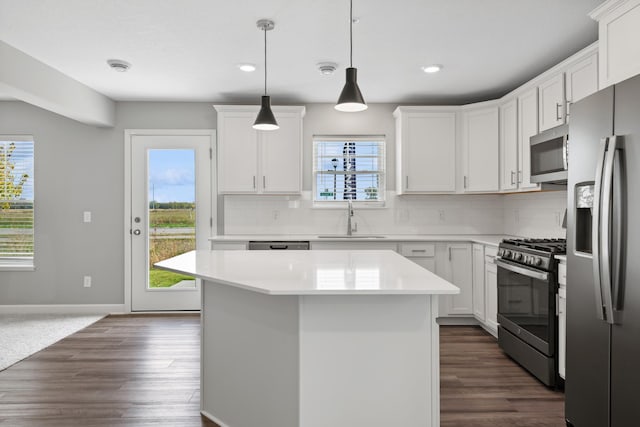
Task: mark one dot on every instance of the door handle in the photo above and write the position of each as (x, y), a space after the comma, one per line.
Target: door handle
(595, 228)
(605, 242)
(558, 113)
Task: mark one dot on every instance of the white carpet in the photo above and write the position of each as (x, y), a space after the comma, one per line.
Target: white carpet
(22, 335)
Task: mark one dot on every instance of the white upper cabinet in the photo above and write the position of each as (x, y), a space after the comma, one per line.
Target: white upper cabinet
(619, 32)
(581, 80)
(259, 162)
(481, 150)
(425, 150)
(509, 145)
(551, 106)
(527, 127)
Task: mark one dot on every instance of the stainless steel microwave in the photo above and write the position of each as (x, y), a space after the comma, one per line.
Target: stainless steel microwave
(549, 152)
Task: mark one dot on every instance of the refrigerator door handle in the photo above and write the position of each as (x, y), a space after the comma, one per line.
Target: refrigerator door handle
(605, 229)
(595, 228)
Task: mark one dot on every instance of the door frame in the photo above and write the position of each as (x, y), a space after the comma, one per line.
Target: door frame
(128, 138)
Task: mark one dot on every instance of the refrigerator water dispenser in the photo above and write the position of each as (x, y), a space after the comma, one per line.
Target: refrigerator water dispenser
(584, 216)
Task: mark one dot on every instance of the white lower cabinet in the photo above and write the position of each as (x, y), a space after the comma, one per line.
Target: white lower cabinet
(454, 263)
(423, 254)
(478, 282)
(491, 290)
(562, 318)
(355, 246)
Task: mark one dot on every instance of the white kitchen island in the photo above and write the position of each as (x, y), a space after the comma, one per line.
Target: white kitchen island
(317, 338)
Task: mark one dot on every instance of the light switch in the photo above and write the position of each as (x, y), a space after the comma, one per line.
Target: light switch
(87, 216)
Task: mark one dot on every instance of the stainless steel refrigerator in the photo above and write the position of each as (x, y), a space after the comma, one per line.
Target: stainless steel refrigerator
(603, 259)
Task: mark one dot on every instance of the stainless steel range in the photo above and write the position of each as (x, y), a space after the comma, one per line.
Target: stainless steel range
(527, 304)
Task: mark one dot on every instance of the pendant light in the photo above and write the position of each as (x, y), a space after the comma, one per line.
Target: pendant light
(351, 99)
(265, 119)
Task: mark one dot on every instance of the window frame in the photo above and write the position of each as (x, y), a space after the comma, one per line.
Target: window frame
(381, 171)
(22, 263)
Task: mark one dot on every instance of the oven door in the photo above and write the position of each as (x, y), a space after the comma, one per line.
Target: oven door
(527, 305)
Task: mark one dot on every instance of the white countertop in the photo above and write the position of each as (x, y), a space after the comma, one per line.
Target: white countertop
(490, 239)
(369, 272)
(561, 258)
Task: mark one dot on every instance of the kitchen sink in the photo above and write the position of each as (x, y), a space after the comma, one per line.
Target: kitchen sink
(353, 236)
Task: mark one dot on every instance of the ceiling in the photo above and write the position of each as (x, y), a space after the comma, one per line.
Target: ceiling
(187, 50)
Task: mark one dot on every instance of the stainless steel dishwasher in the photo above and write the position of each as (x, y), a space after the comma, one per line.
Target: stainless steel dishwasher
(279, 246)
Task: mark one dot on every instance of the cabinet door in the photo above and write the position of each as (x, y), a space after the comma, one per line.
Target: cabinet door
(482, 150)
(478, 283)
(237, 153)
(491, 295)
(509, 145)
(527, 127)
(427, 152)
(551, 102)
(581, 80)
(426, 262)
(460, 274)
(562, 332)
(281, 156)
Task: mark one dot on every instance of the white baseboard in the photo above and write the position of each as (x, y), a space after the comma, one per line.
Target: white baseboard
(63, 308)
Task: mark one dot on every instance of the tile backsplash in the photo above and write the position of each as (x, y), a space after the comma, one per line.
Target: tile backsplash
(529, 214)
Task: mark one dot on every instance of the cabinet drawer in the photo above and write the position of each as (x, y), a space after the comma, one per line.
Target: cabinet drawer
(418, 249)
(562, 274)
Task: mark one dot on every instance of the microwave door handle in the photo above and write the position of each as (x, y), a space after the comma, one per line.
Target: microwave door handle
(595, 228)
(565, 152)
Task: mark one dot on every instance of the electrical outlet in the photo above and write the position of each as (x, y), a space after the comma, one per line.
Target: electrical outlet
(87, 216)
(87, 281)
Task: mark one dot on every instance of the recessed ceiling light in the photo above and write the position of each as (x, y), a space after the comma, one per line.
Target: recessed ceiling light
(247, 68)
(432, 68)
(118, 65)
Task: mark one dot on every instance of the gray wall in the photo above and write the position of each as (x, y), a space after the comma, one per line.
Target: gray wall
(79, 168)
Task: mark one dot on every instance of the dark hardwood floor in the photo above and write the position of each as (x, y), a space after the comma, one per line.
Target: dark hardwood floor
(144, 371)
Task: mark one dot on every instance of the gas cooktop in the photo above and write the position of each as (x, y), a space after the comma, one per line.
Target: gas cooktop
(534, 253)
(553, 246)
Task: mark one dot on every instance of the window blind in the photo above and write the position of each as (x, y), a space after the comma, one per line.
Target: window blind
(349, 168)
(16, 200)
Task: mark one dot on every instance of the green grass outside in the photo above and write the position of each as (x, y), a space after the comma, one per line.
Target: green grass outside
(172, 218)
(16, 218)
(165, 279)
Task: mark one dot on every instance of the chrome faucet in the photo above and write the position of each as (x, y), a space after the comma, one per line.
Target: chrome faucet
(349, 215)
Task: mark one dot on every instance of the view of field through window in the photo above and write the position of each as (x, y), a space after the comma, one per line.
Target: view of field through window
(172, 213)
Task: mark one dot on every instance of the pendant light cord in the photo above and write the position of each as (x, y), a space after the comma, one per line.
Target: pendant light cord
(351, 33)
(265, 60)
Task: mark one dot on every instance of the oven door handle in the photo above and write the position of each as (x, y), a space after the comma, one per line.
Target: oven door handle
(540, 275)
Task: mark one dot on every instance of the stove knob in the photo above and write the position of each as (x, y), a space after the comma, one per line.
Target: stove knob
(517, 256)
(537, 261)
(507, 253)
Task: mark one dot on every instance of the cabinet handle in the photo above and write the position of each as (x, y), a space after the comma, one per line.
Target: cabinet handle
(569, 103)
(264, 182)
(449, 253)
(519, 177)
(254, 182)
(407, 180)
(465, 181)
(558, 113)
(513, 178)
(418, 250)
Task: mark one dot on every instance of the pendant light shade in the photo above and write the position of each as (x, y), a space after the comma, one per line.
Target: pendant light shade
(351, 99)
(265, 119)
